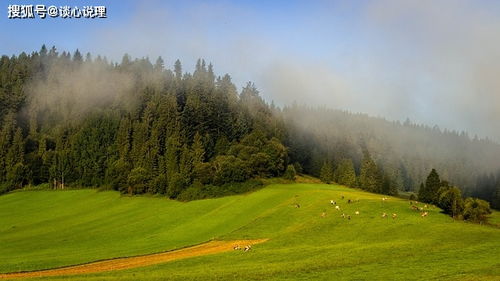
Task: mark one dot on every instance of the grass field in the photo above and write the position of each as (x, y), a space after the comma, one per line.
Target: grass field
(46, 229)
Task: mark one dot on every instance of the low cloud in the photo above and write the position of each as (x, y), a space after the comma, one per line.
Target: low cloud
(72, 93)
(436, 62)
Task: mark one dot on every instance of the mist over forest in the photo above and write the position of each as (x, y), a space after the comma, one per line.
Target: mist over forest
(250, 140)
(142, 127)
(434, 63)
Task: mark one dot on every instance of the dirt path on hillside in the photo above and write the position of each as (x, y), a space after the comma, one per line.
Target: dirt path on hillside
(212, 247)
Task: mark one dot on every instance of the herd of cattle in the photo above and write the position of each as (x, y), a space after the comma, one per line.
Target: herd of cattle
(413, 205)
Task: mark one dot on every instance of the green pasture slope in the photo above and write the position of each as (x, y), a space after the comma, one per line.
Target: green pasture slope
(46, 229)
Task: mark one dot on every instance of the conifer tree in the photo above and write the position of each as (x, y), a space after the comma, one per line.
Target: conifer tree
(77, 56)
(345, 174)
(159, 64)
(117, 175)
(185, 165)
(43, 51)
(16, 150)
(389, 187)
(6, 135)
(326, 173)
(370, 177)
(139, 144)
(429, 193)
(178, 69)
(198, 151)
(172, 161)
(421, 192)
(17, 176)
(61, 163)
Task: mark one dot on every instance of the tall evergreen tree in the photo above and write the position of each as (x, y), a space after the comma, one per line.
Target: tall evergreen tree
(77, 56)
(6, 135)
(185, 165)
(43, 51)
(326, 173)
(16, 151)
(124, 139)
(159, 64)
(172, 164)
(389, 186)
(429, 193)
(345, 174)
(370, 177)
(198, 150)
(178, 69)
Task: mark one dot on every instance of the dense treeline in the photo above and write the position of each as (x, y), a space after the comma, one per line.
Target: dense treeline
(371, 177)
(449, 199)
(166, 132)
(137, 127)
(488, 188)
(400, 154)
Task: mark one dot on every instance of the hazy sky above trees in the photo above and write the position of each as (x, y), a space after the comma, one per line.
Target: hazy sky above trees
(436, 62)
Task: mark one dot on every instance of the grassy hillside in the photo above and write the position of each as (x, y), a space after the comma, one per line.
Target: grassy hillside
(45, 229)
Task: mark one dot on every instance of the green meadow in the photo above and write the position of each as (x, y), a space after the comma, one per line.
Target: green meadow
(48, 229)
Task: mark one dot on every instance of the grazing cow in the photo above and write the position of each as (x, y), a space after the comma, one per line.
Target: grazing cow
(237, 247)
(357, 212)
(337, 208)
(413, 207)
(348, 201)
(343, 215)
(384, 215)
(323, 214)
(425, 206)
(424, 214)
(248, 248)
(297, 205)
(349, 217)
(394, 215)
(384, 198)
(333, 202)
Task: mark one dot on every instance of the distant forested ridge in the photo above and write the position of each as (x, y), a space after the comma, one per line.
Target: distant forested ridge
(405, 152)
(140, 127)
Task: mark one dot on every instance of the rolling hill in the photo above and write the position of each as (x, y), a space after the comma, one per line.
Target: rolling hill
(51, 229)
